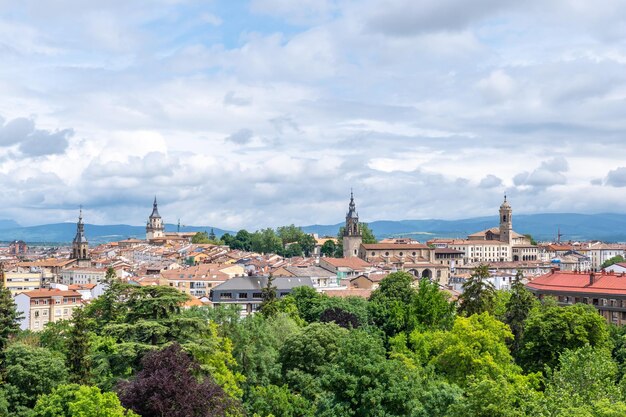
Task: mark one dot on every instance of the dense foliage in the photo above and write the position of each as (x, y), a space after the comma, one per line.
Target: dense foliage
(405, 351)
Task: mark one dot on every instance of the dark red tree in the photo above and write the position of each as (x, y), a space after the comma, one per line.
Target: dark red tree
(169, 384)
(341, 317)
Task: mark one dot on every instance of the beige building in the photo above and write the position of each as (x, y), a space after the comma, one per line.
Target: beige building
(77, 275)
(18, 282)
(199, 280)
(39, 307)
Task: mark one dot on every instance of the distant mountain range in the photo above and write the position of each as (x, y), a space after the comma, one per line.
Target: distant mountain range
(607, 227)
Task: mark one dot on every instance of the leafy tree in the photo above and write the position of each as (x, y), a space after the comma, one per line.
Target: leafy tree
(475, 348)
(269, 305)
(531, 239)
(266, 241)
(293, 250)
(551, 330)
(289, 234)
(272, 400)
(518, 308)
(201, 238)
(110, 275)
(618, 341)
(9, 320)
(360, 381)
(78, 348)
(154, 302)
(584, 376)
(74, 400)
(612, 261)
(431, 307)
(340, 317)
(390, 304)
(307, 301)
(478, 294)
(31, 372)
(328, 249)
(109, 307)
(167, 385)
(242, 240)
(307, 242)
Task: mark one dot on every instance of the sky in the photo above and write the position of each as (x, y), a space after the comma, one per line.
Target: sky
(249, 114)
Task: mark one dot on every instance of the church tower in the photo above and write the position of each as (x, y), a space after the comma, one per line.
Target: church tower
(154, 227)
(352, 237)
(506, 222)
(80, 246)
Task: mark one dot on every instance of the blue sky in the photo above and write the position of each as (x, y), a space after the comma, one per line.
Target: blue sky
(266, 112)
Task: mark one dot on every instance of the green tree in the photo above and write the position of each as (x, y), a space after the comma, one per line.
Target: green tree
(212, 236)
(390, 304)
(293, 250)
(307, 242)
(432, 307)
(110, 275)
(153, 303)
(518, 309)
(31, 372)
(289, 234)
(9, 320)
(201, 238)
(74, 400)
(551, 330)
(612, 261)
(272, 400)
(531, 239)
(269, 303)
(328, 249)
(479, 295)
(79, 348)
(266, 241)
(584, 376)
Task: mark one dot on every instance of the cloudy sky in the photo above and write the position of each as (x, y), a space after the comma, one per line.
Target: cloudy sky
(266, 112)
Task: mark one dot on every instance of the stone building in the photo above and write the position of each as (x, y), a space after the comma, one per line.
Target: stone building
(155, 228)
(80, 246)
(352, 236)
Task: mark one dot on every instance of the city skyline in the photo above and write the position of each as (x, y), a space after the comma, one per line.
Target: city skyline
(261, 113)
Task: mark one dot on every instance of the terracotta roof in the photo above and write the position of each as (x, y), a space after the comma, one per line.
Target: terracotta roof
(562, 281)
(51, 293)
(82, 286)
(354, 263)
(393, 246)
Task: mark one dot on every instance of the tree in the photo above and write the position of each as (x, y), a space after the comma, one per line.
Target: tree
(269, 305)
(390, 304)
(167, 385)
(110, 276)
(518, 308)
(242, 240)
(266, 241)
(478, 294)
(431, 307)
(612, 261)
(329, 248)
(551, 330)
(293, 250)
(153, 303)
(584, 376)
(340, 317)
(201, 238)
(9, 319)
(79, 349)
(272, 400)
(307, 243)
(531, 239)
(289, 234)
(31, 372)
(212, 236)
(74, 400)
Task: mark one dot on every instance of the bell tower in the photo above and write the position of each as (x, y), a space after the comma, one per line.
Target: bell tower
(80, 246)
(352, 237)
(154, 227)
(506, 222)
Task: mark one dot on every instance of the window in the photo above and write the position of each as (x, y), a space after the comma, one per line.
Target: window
(65, 311)
(36, 314)
(45, 312)
(243, 295)
(57, 312)
(386, 253)
(414, 253)
(401, 254)
(373, 253)
(226, 296)
(257, 295)
(282, 294)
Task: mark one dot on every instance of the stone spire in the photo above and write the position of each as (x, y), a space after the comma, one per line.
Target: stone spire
(80, 246)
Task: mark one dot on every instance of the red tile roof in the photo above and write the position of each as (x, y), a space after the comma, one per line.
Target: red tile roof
(354, 263)
(51, 293)
(568, 282)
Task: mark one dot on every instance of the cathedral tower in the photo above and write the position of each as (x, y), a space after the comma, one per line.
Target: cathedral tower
(80, 246)
(352, 237)
(506, 222)
(154, 227)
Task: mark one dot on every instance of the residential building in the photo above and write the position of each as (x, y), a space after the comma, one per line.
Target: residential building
(78, 275)
(18, 282)
(346, 267)
(320, 277)
(246, 292)
(18, 248)
(39, 307)
(618, 268)
(199, 280)
(605, 291)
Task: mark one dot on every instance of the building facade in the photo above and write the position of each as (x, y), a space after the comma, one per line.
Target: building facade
(155, 228)
(352, 237)
(39, 307)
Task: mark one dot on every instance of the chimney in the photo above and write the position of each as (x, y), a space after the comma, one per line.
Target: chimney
(592, 278)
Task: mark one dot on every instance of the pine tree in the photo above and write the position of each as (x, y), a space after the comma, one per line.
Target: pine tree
(78, 348)
(517, 309)
(479, 295)
(212, 236)
(269, 305)
(9, 319)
